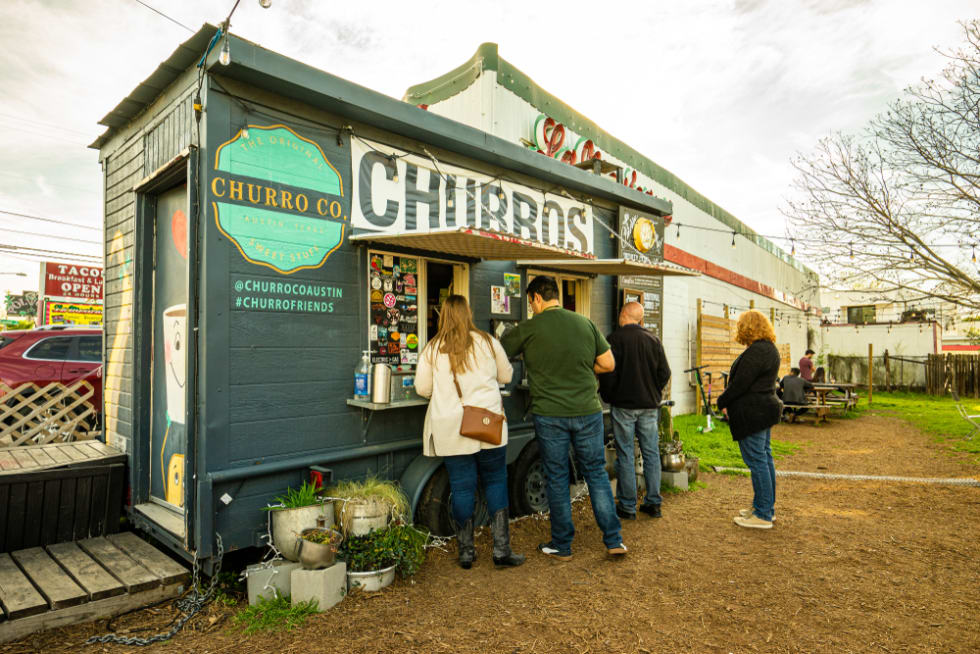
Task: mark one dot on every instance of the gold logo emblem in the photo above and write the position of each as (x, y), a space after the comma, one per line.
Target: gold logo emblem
(486, 421)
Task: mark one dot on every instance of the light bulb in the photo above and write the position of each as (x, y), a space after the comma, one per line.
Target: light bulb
(245, 132)
(395, 177)
(449, 202)
(793, 251)
(733, 240)
(974, 255)
(500, 194)
(225, 57)
(678, 230)
(265, 4)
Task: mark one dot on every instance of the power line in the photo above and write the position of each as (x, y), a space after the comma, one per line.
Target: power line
(42, 123)
(6, 247)
(50, 220)
(172, 20)
(63, 238)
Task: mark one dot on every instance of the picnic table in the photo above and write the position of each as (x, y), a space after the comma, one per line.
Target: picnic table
(825, 401)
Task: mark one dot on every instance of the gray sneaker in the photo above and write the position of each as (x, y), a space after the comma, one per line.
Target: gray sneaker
(748, 513)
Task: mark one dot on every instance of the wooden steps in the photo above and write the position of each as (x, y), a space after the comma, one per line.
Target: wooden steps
(46, 587)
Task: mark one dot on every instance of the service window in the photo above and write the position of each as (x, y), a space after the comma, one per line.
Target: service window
(89, 349)
(50, 349)
(405, 293)
(574, 291)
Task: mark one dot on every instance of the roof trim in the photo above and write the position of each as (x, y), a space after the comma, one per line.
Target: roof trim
(620, 266)
(516, 81)
(257, 66)
(152, 87)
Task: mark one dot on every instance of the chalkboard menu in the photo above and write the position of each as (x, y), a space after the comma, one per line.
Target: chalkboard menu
(643, 240)
(393, 331)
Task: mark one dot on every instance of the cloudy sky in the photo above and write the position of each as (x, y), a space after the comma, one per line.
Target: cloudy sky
(720, 92)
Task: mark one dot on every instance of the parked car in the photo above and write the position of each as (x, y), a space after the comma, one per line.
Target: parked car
(45, 355)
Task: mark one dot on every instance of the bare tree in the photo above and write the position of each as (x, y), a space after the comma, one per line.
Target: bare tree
(897, 207)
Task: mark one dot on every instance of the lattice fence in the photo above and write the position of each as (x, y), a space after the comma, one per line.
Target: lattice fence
(55, 413)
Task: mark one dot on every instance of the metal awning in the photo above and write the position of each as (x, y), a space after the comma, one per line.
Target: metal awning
(474, 243)
(610, 267)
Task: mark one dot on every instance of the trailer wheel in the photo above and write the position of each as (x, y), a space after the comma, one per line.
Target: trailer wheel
(435, 506)
(528, 490)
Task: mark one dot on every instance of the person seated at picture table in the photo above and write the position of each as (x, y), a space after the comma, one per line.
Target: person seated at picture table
(794, 389)
(820, 375)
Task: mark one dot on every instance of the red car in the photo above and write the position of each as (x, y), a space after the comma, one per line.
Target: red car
(52, 354)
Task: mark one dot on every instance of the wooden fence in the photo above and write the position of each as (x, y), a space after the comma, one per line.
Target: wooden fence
(55, 413)
(717, 349)
(945, 372)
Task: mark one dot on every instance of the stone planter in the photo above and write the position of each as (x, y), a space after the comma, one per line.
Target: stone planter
(371, 580)
(288, 525)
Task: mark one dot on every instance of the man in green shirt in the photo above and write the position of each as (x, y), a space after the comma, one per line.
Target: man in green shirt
(563, 352)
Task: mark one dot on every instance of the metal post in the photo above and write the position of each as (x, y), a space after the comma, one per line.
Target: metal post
(697, 356)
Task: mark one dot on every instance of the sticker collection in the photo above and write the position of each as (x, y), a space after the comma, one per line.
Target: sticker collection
(394, 328)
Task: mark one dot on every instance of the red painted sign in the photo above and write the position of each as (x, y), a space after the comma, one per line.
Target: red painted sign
(72, 280)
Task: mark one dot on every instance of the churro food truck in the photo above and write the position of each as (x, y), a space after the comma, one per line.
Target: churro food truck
(266, 225)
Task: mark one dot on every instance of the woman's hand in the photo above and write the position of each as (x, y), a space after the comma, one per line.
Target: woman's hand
(724, 412)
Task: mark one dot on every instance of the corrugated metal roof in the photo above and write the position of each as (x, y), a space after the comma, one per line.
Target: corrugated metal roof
(187, 53)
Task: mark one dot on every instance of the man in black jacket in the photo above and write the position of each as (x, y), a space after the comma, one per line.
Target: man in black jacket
(634, 390)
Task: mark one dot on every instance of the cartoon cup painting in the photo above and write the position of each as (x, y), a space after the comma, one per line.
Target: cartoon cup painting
(174, 340)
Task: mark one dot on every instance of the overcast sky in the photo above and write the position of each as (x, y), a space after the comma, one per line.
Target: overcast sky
(722, 93)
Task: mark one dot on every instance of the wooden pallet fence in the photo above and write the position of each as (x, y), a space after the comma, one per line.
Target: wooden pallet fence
(54, 413)
(717, 349)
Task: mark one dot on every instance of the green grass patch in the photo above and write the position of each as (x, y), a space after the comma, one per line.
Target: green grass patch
(666, 489)
(274, 615)
(934, 415)
(716, 448)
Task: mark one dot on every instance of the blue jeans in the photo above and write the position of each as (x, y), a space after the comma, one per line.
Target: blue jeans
(584, 435)
(757, 454)
(490, 466)
(644, 425)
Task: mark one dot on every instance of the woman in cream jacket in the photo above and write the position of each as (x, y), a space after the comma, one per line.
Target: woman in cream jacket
(480, 365)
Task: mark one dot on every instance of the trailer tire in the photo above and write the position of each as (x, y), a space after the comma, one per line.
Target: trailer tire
(528, 490)
(435, 506)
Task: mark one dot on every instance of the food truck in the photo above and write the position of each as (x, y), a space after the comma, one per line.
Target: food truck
(267, 223)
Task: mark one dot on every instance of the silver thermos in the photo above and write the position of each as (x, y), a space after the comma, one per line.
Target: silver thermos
(381, 383)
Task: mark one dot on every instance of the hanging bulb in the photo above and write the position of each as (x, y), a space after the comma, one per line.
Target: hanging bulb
(852, 251)
(974, 254)
(500, 193)
(225, 57)
(733, 240)
(678, 230)
(245, 132)
(394, 163)
(911, 256)
(265, 4)
(793, 251)
(449, 202)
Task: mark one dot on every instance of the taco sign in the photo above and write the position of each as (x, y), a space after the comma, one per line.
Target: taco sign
(71, 280)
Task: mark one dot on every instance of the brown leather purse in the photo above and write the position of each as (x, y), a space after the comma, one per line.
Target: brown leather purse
(478, 423)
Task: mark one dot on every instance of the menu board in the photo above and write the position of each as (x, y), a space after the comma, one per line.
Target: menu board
(393, 331)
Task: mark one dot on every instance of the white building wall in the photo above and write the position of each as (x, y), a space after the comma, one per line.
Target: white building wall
(495, 109)
(910, 339)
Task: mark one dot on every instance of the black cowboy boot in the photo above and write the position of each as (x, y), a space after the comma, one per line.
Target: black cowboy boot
(503, 556)
(464, 543)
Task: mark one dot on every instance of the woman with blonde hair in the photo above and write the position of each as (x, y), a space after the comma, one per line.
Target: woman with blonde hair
(752, 408)
(461, 352)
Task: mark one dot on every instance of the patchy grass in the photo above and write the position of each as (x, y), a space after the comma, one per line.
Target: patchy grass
(274, 615)
(934, 415)
(666, 489)
(717, 448)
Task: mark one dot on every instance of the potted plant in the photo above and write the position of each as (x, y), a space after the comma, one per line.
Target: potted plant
(672, 454)
(297, 509)
(373, 559)
(318, 546)
(367, 505)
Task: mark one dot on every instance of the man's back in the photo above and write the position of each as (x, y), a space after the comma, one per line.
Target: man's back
(560, 348)
(641, 371)
(794, 389)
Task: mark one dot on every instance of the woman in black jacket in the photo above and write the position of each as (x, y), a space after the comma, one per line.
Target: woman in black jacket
(752, 408)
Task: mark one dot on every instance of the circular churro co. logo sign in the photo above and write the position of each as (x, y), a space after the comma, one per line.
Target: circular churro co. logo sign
(277, 197)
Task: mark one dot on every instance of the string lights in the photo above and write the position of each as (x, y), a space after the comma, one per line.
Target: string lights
(733, 240)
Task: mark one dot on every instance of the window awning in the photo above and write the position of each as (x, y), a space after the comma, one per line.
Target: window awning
(610, 267)
(474, 243)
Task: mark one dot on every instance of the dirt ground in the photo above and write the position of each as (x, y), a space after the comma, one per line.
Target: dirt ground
(849, 567)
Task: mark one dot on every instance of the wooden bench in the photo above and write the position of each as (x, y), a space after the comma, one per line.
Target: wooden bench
(821, 411)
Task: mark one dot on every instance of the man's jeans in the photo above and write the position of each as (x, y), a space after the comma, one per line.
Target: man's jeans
(644, 424)
(584, 435)
(757, 454)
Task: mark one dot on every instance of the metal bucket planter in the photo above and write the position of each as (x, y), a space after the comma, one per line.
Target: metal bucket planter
(371, 580)
(314, 554)
(673, 462)
(362, 516)
(288, 526)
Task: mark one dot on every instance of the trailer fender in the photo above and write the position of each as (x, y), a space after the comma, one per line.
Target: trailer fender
(416, 476)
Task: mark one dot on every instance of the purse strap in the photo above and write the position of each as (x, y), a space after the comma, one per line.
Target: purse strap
(456, 382)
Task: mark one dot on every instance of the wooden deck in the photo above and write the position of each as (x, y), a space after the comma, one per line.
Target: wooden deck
(67, 583)
(29, 458)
